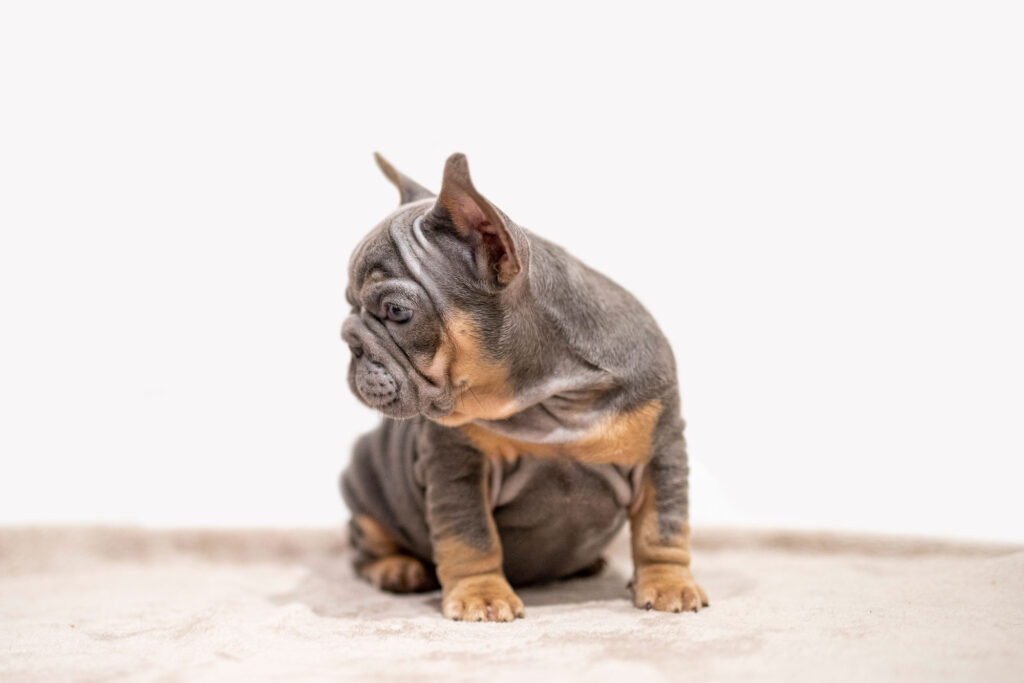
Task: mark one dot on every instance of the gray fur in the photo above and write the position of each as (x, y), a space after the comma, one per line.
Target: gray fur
(421, 481)
(579, 348)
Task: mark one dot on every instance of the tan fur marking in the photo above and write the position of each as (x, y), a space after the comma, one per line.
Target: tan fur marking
(487, 597)
(472, 583)
(389, 569)
(623, 439)
(645, 538)
(456, 560)
(375, 540)
(437, 370)
(662, 579)
(398, 574)
(481, 387)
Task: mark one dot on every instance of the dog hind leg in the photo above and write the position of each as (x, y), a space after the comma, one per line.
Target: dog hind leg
(381, 561)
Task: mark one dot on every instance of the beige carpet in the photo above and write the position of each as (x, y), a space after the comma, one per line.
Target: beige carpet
(128, 604)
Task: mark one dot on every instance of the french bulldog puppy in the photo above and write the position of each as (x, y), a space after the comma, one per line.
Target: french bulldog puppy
(531, 408)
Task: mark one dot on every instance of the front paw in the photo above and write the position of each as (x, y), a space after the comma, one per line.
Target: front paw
(667, 588)
(486, 597)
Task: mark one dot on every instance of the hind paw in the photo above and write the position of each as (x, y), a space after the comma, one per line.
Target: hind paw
(398, 574)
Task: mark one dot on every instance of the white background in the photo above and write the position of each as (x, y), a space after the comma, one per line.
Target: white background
(821, 204)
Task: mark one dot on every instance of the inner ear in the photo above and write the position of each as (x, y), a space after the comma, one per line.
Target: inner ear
(478, 221)
(467, 214)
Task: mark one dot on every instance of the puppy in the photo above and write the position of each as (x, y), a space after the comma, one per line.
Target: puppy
(531, 408)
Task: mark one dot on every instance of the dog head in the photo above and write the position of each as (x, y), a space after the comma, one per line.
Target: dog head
(428, 286)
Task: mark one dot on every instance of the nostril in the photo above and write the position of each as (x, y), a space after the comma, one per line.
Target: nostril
(357, 351)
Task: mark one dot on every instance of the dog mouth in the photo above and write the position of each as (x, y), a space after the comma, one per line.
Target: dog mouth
(375, 383)
(391, 409)
(385, 379)
(376, 386)
(371, 379)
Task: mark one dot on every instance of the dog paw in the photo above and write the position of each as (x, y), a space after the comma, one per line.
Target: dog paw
(487, 597)
(398, 574)
(667, 588)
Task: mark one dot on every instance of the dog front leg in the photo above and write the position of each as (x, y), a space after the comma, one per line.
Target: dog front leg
(467, 550)
(660, 529)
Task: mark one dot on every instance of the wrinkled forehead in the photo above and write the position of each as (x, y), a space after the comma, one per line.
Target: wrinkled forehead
(395, 248)
(375, 253)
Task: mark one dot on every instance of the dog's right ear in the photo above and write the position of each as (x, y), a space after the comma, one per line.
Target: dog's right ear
(409, 190)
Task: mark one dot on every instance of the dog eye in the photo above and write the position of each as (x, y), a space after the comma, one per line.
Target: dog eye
(398, 314)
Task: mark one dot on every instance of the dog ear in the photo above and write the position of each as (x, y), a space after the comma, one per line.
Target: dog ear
(409, 190)
(479, 222)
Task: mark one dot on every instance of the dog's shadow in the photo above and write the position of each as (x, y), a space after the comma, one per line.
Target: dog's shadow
(330, 588)
(608, 584)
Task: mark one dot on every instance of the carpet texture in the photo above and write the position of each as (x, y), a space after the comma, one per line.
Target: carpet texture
(129, 604)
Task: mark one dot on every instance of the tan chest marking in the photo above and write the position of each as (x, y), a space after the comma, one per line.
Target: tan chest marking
(623, 439)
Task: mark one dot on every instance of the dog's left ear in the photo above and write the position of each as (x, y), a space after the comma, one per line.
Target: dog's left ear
(498, 245)
(408, 189)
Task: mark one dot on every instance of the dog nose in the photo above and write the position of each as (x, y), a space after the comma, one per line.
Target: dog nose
(375, 383)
